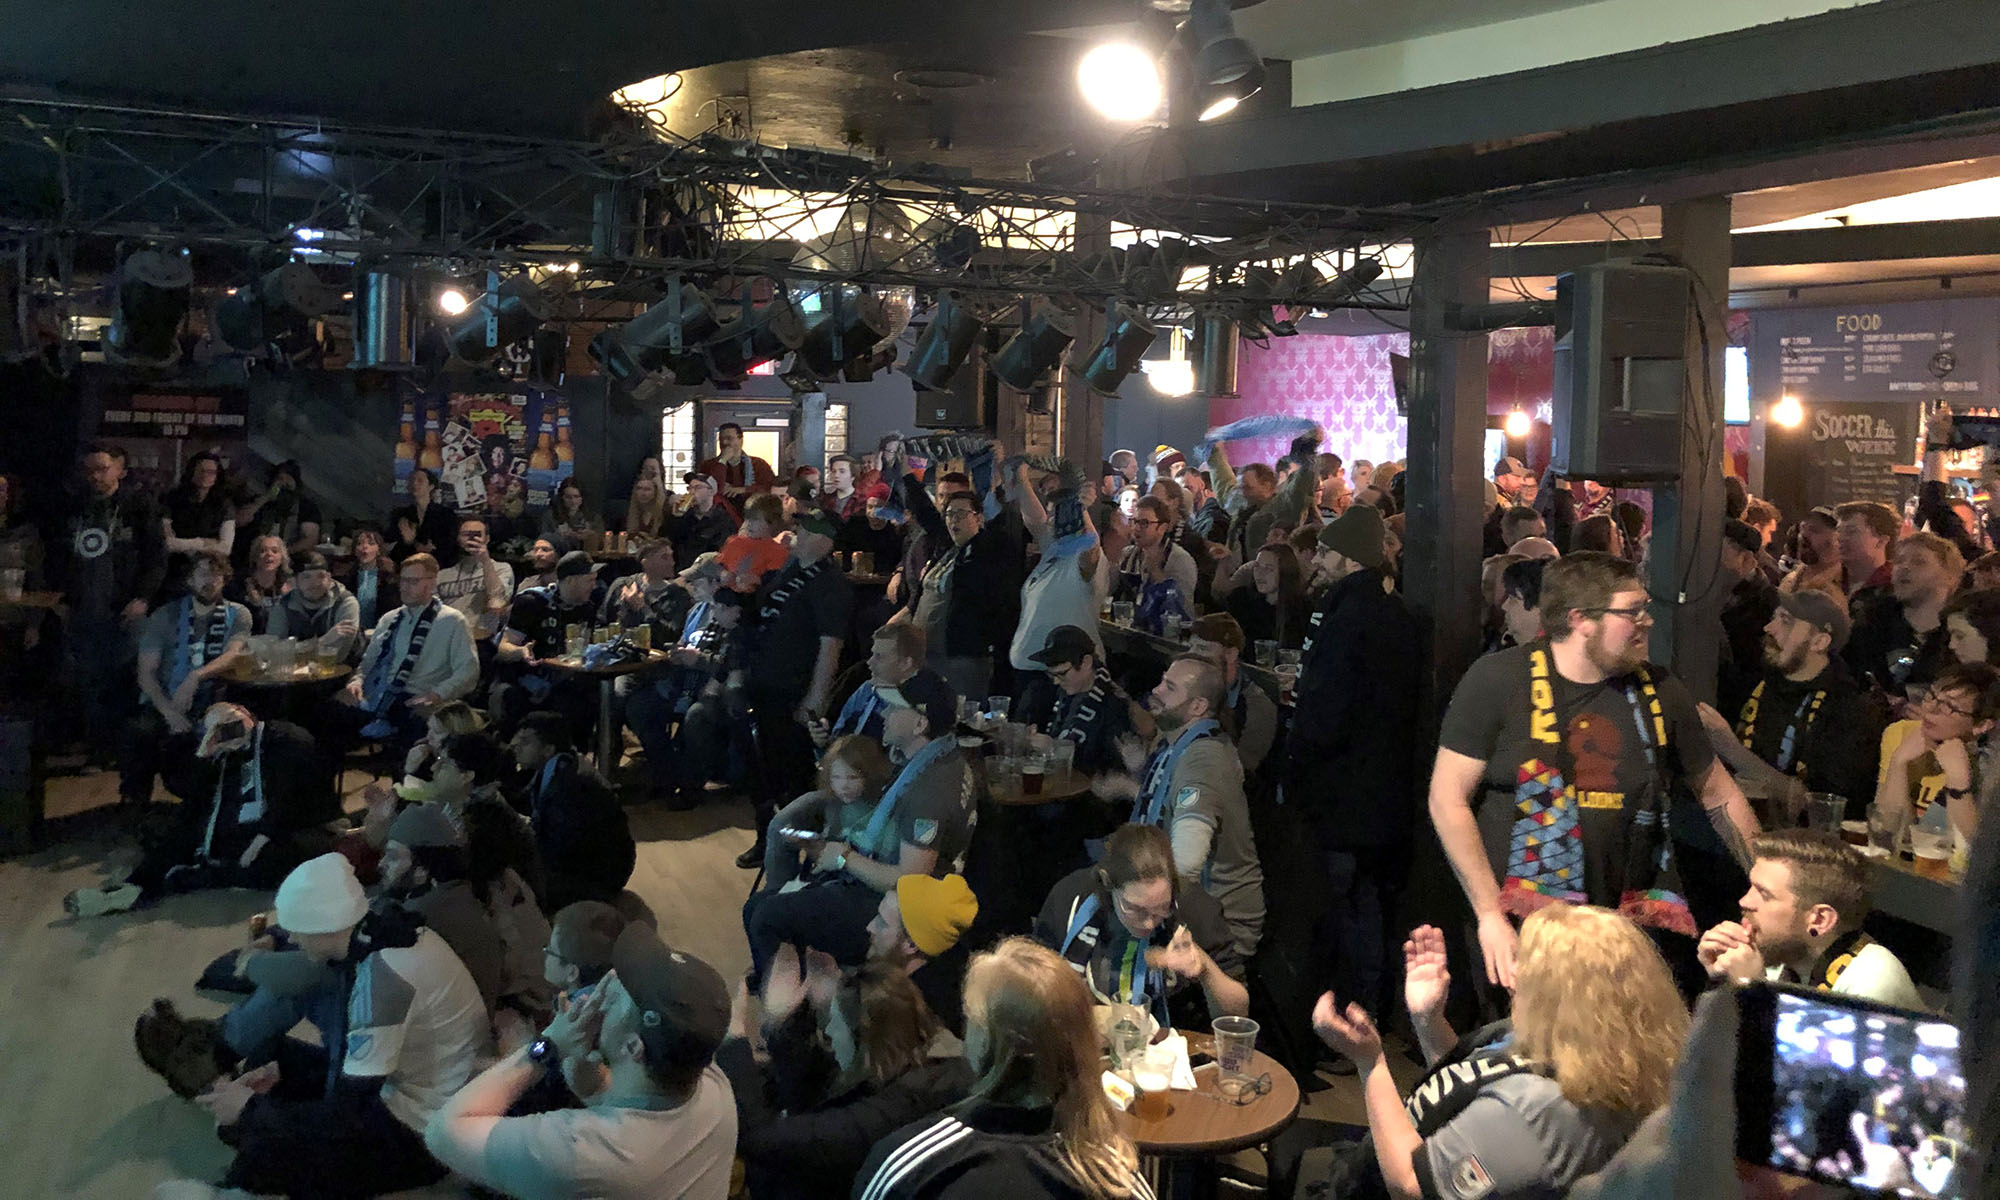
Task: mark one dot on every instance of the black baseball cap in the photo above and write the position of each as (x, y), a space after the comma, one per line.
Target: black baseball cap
(1066, 644)
(575, 563)
(928, 693)
(683, 1004)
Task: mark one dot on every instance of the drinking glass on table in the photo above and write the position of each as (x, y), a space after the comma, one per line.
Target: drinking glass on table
(1825, 811)
(998, 706)
(1153, 1077)
(1062, 760)
(1885, 830)
(1267, 652)
(1292, 658)
(1122, 612)
(1931, 853)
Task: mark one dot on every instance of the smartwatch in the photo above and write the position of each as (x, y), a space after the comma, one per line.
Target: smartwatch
(544, 1054)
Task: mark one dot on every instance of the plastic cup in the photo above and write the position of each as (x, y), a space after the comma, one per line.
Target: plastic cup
(998, 706)
(1033, 768)
(1931, 854)
(1885, 830)
(1122, 612)
(1854, 833)
(325, 655)
(1291, 658)
(12, 579)
(1153, 1076)
(1062, 759)
(642, 636)
(1235, 1045)
(1267, 652)
(1825, 811)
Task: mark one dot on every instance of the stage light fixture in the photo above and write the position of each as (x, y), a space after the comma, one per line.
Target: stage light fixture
(1039, 345)
(281, 301)
(1121, 81)
(851, 325)
(646, 343)
(762, 336)
(1126, 338)
(1227, 70)
(451, 301)
(153, 290)
(498, 318)
(942, 348)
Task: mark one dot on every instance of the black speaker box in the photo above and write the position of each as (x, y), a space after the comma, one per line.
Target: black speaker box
(1621, 372)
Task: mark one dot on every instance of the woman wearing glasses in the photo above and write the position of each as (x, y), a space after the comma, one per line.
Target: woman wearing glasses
(1138, 937)
(1935, 756)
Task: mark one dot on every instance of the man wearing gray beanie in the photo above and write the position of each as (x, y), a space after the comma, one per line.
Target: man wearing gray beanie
(408, 1027)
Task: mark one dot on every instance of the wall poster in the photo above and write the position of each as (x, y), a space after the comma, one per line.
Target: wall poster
(499, 454)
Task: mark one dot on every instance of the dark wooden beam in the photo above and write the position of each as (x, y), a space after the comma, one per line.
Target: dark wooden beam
(1777, 248)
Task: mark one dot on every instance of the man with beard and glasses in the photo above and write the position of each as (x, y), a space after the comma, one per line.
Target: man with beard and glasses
(1191, 786)
(1559, 761)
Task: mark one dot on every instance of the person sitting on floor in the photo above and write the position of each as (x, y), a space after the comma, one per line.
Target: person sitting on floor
(586, 844)
(1037, 1123)
(1802, 923)
(402, 1035)
(920, 826)
(658, 1118)
(259, 808)
(424, 869)
(1137, 933)
(841, 1075)
(184, 647)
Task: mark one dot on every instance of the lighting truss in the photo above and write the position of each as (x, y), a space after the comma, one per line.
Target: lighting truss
(632, 211)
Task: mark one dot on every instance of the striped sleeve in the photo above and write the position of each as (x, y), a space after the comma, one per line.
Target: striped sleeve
(898, 1168)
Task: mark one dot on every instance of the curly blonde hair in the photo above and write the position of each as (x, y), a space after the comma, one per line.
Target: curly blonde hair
(1594, 1002)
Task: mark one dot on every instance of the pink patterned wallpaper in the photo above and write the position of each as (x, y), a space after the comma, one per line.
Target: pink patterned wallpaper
(1343, 383)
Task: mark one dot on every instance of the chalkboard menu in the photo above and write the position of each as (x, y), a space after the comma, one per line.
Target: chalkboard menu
(1932, 348)
(1851, 451)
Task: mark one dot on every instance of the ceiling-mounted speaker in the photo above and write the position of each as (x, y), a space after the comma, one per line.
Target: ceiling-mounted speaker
(1039, 346)
(153, 291)
(944, 344)
(1219, 349)
(1621, 372)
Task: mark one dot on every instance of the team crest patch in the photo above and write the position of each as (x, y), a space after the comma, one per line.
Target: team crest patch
(924, 831)
(1186, 797)
(359, 1044)
(1469, 1180)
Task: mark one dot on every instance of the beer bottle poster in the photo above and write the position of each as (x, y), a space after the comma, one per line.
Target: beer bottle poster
(495, 453)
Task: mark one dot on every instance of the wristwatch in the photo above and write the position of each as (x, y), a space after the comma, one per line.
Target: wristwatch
(543, 1053)
(840, 863)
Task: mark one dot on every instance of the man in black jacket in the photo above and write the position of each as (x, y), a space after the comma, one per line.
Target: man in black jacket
(970, 594)
(1350, 761)
(704, 526)
(586, 845)
(108, 563)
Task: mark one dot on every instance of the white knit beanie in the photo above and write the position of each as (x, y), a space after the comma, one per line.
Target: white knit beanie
(321, 895)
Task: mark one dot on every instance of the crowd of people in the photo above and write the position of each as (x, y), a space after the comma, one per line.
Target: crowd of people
(492, 1002)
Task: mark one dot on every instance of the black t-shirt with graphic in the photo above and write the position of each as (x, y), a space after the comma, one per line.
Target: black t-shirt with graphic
(1607, 729)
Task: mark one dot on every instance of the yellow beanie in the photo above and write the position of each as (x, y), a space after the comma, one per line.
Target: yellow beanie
(936, 912)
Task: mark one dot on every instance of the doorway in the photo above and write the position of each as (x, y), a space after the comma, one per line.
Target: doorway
(768, 429)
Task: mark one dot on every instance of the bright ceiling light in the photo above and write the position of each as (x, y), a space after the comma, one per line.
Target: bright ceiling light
(1220, 106)
(1173, 375)
(1121, 81)
(648, 92)
(1788, 412)
(1970, 200)
(1227, 69)
(1518, 425)
(452, 302)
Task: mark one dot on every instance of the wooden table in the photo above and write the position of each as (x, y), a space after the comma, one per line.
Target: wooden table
(860, 579)
(1902, 893)
(284, 695)
(1056, 789)
(41, 600)
(607, 679)
(1200, 1125)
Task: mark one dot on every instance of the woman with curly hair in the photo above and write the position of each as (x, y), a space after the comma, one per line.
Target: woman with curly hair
(264, 581)
(1037, 1123)
(1525, 1106)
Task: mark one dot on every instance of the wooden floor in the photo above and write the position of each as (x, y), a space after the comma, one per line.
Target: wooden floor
(84, 1116)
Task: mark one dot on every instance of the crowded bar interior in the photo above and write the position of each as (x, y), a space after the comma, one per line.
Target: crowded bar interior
(1064, 598)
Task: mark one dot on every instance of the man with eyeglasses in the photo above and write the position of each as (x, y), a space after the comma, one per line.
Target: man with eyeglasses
(969, 596)
(1559, 761)
(418, 657)
(1087, 707)
(1154, 557)
(1140, 935)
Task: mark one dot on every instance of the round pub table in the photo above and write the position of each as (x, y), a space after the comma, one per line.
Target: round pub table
(607, 682)
(1201, 1126)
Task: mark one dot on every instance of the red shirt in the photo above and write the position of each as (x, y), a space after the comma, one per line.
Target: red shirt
(750, 559)
(749, 471)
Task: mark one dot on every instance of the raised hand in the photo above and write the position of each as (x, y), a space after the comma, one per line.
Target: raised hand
(1426, 981)
(1352, 1033)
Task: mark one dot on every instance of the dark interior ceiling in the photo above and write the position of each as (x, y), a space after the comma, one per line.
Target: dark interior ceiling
(507, 66)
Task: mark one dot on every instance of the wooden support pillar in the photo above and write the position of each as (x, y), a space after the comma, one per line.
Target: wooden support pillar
(1446, 497)
(1080, 411)
(1684, 564)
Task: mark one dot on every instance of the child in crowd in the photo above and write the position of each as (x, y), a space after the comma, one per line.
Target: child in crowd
(755, 551)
